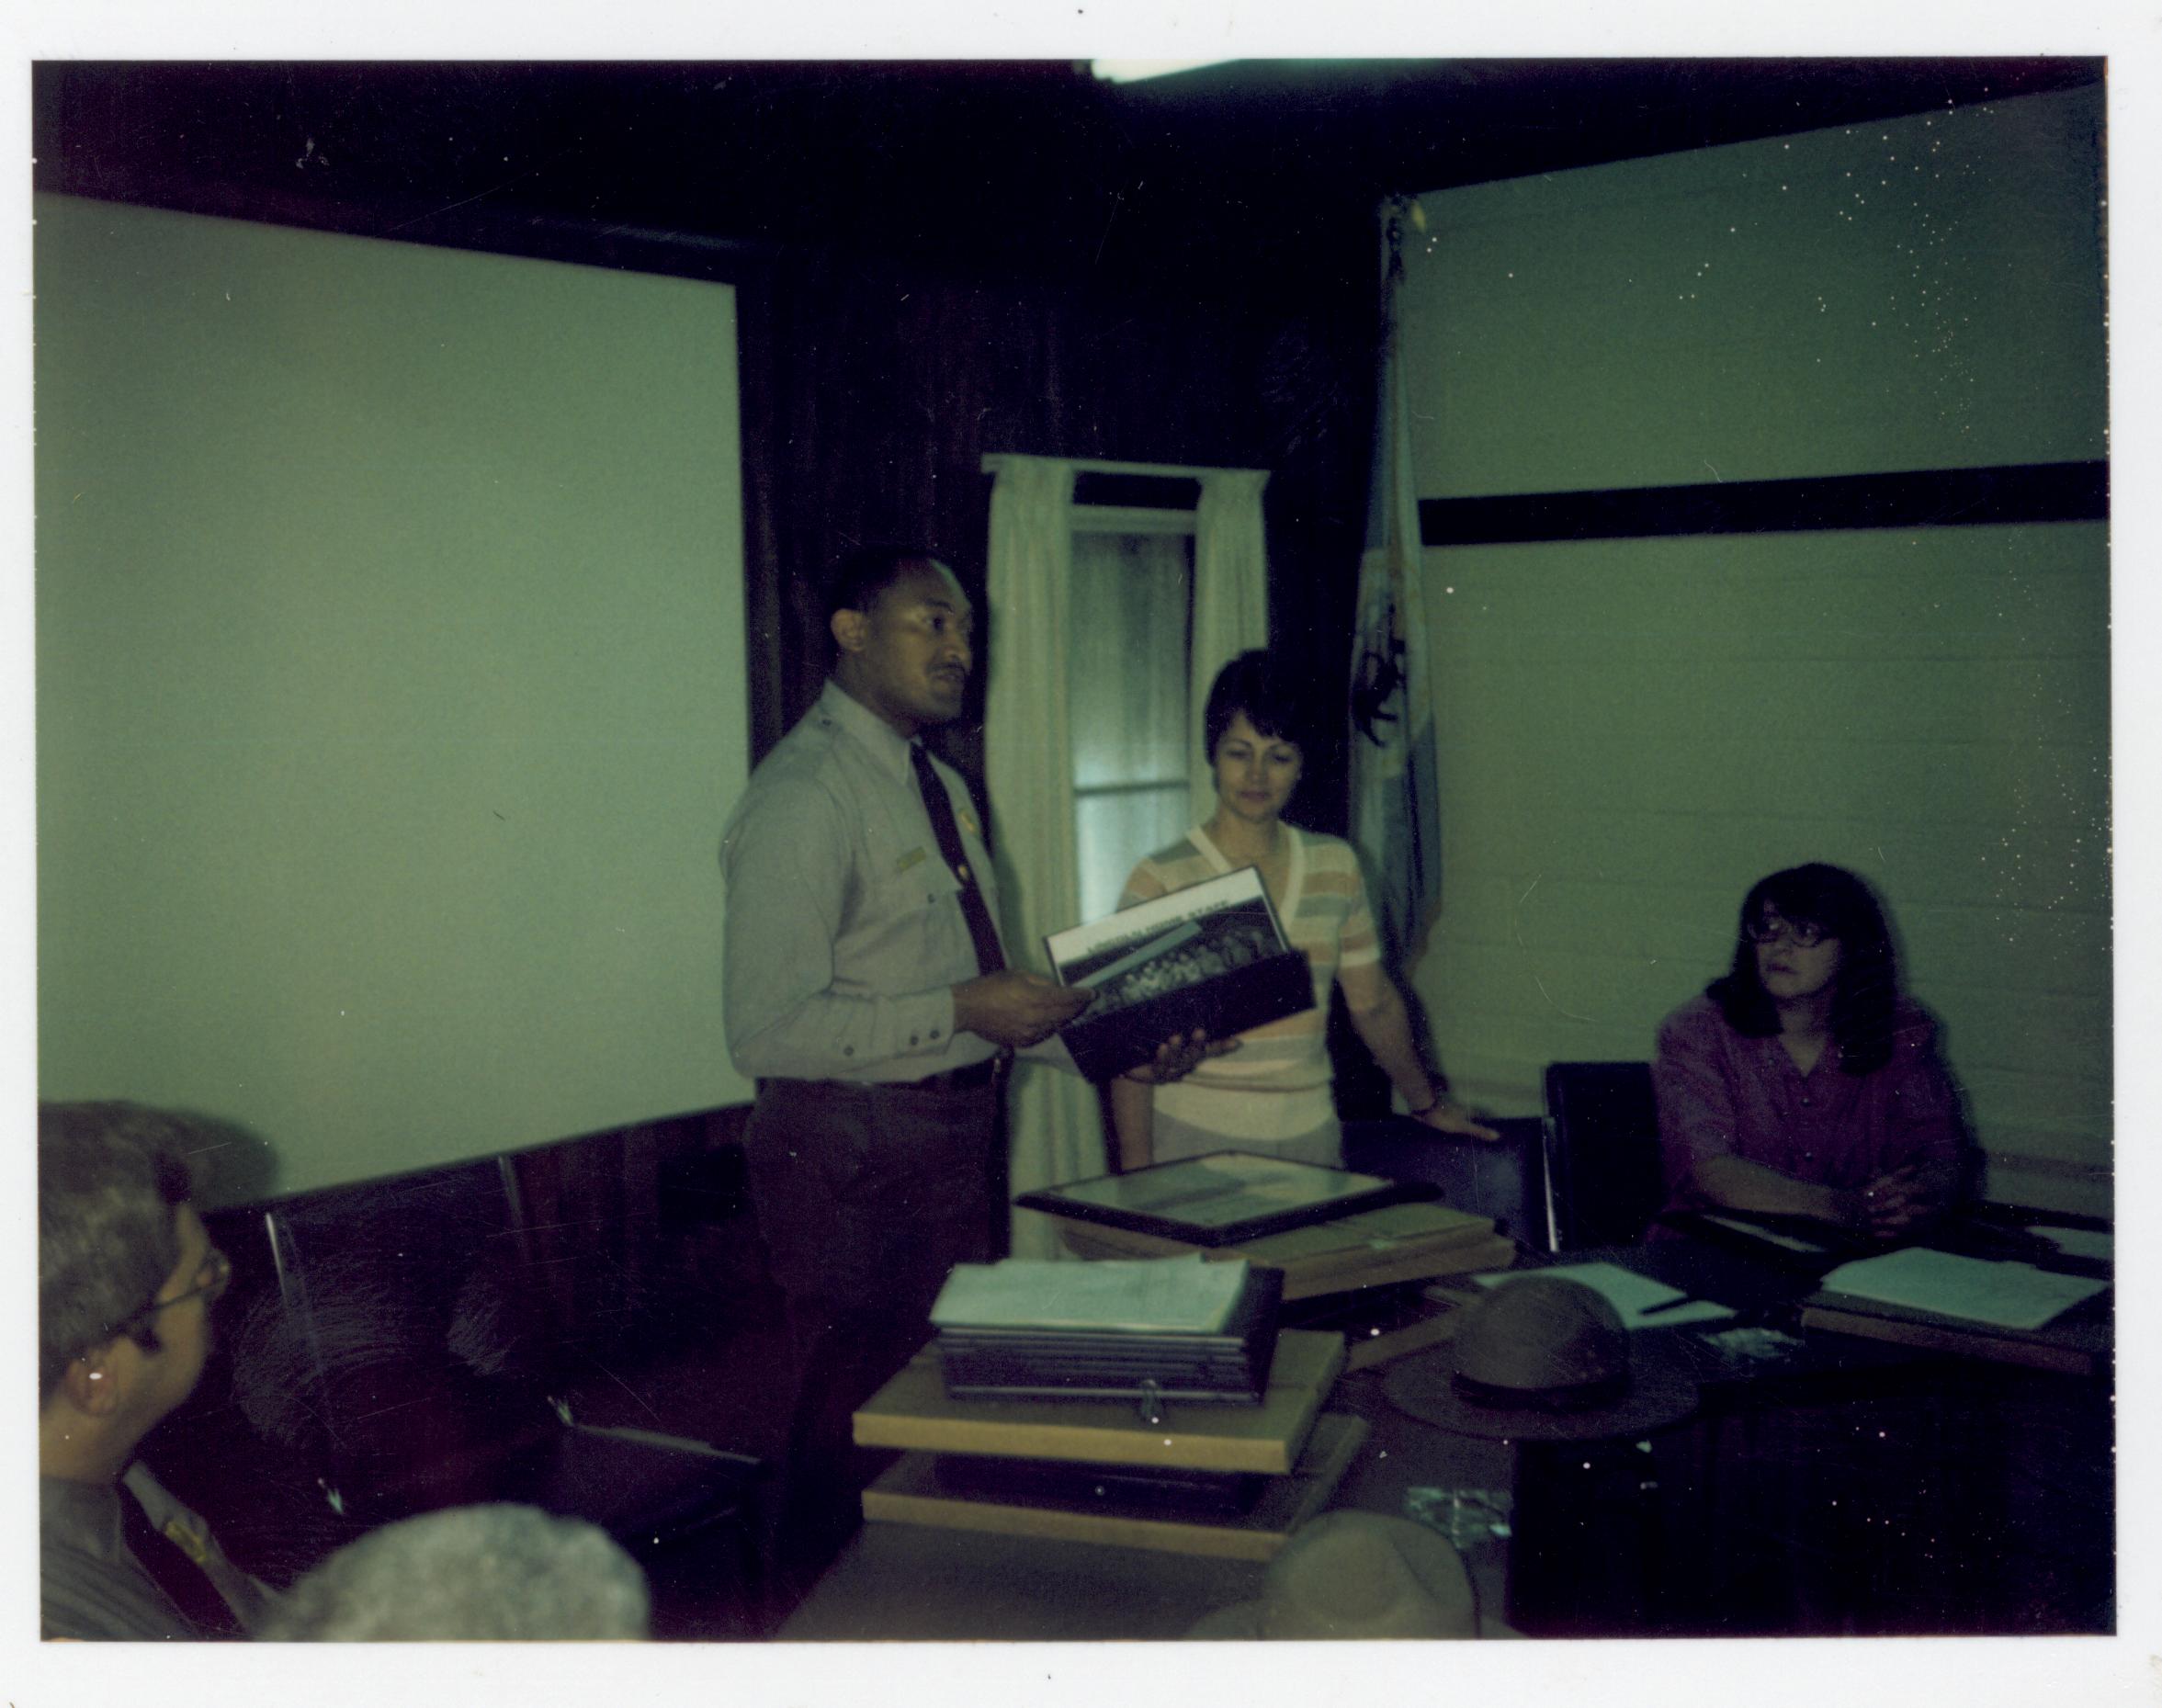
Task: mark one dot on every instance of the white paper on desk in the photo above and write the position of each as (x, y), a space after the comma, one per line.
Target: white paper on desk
(1786, 1243)
(2090, 1242)
(1168, 1294)
(1630, 1294)
(2003, 1294)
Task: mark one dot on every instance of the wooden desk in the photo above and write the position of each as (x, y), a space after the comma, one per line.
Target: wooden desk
(904, 1581)
(1844, 1486)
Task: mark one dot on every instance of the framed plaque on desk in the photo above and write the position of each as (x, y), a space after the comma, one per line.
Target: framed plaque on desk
(1222, 1198)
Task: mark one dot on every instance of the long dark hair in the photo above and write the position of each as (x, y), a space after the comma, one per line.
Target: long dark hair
(1865, 992)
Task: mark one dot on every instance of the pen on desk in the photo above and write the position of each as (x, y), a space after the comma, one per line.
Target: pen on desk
(1671, 1304)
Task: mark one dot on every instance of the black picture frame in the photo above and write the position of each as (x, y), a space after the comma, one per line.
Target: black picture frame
(1222, 1198)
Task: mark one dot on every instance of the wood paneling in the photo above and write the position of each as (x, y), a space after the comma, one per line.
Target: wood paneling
(891, 382)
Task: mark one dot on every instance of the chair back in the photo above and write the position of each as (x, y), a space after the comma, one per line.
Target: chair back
(1505, 1181)
(399, 1352)
(403, 1345)
(1604, 1179)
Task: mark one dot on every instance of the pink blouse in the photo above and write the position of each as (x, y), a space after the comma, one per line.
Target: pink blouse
(1723, 1094)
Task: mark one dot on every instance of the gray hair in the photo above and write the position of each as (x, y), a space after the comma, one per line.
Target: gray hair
(496, 1573)
(110, 1177)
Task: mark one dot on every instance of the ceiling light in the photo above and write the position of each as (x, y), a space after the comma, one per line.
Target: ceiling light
(1137, 71)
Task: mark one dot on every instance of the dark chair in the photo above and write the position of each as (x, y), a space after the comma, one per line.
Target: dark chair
(1505, 1181)
(408, 1349)
(1603, 1178)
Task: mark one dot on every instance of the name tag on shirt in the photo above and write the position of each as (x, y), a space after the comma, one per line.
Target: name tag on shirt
(915, 857)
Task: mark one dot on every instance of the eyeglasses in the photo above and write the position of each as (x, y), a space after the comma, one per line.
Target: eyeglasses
(210, 1282)
(1771, 928)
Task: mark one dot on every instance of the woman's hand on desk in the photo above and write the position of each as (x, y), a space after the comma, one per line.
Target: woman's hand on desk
(1444, 1116)
(1891, 1205)
(1897, 1202)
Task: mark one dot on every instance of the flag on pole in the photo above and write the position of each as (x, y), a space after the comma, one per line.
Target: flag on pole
(1395, 802)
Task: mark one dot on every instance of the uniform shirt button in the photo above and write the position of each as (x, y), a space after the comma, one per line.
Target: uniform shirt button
(848, 1049)
(914, 1040)
(935, 1034)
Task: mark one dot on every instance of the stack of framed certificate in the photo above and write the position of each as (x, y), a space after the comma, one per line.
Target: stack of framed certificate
(1356, 1252)
(1227, 1481)
(1167, 1328)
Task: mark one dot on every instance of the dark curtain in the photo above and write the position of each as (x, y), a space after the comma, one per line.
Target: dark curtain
(874, 389)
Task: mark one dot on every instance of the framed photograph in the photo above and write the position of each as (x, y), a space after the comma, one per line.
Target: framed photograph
(1211, 956)
(1222, 1198)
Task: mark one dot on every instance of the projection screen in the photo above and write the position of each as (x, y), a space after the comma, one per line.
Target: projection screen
(390, 688)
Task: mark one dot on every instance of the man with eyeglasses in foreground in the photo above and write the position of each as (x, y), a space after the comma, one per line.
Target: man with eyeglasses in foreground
(127, 1277)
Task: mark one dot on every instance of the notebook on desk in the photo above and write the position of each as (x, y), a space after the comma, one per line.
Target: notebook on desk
(2075, 1245)
(1997, 1309)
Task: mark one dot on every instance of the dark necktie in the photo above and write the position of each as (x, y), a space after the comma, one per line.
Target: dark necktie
(989, 958)
(184, 1577)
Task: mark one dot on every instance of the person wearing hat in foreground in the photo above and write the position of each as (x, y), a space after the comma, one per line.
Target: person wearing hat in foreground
(497, 1572)
(1359, 1575)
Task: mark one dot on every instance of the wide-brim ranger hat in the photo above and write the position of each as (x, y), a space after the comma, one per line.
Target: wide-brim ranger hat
(1360, 1576)
(1541, 1358)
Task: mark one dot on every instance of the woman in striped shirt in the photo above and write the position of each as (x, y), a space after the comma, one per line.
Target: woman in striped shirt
(1271, 1094)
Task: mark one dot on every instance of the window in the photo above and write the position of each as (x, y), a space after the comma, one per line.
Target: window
(1133, 615)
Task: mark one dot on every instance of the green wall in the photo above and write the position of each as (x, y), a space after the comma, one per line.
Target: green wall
(1919, 293)
(390, 687)
(1635, 730)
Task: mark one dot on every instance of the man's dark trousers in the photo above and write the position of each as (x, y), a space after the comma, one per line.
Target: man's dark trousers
(867, 1196)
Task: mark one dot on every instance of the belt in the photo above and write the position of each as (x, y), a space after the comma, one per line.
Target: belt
(984, 1072)
(968, 1079)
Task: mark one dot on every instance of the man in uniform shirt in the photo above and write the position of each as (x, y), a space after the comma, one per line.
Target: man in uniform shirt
(866, 992)
(126, 1279)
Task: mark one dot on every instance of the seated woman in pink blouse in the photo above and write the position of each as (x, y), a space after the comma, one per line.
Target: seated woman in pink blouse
(1803, 1082)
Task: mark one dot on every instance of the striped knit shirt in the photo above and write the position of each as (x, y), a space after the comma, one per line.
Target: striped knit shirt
(1323, 909)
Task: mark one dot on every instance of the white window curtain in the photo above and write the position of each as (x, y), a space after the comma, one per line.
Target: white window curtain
(1028, 767)
(1230, 596)
(1028, 748)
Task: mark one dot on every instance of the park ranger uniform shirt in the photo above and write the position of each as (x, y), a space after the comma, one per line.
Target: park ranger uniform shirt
(845, 931)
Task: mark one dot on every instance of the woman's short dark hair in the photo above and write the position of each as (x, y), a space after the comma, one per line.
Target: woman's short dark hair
(111, 1178)
(1865, 992)
(1269, 690)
